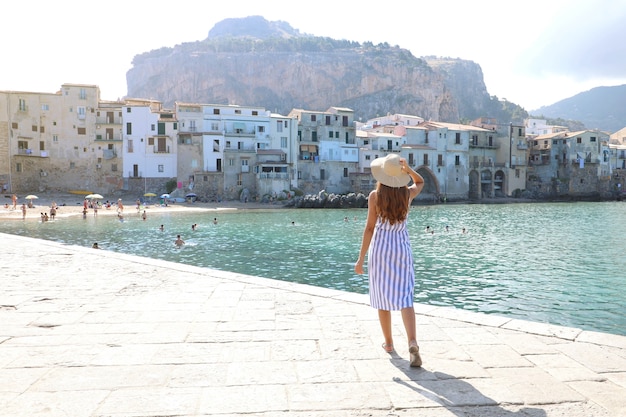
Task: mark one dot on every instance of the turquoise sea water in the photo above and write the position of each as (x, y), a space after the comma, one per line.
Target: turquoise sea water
(559, 263)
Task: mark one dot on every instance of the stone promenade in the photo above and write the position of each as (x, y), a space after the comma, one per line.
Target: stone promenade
(86, 333)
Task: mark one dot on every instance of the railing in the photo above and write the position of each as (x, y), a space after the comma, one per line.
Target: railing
(29, 152)
(155, 149)
(274, 175)
(483, 145)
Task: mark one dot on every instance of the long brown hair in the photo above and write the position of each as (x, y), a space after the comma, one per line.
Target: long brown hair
(392, 203)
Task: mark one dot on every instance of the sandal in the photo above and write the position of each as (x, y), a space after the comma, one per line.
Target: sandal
(388, 348)
(416, 359)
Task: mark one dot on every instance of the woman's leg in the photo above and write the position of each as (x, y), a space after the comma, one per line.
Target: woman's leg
(408, 318)
(384, 316)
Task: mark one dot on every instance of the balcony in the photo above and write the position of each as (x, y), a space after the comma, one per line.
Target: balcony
(484, 145)
(274, 175)
(109, 138)
(30, 152)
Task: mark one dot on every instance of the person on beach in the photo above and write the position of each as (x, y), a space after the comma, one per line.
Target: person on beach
(388, 248)
(23, 211)
(14, 199)
(120, 206)
(161, 228)
(144, 216)
(179, 242)
(95, 245)
(53, 211)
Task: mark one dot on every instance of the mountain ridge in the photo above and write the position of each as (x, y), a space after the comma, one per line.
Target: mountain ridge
(602, 108)
(254, 62)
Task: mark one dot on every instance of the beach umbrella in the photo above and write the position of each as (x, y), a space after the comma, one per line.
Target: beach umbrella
(149, 195)
(191, 195)
(165, 195)
(93, 197)
(31, 197)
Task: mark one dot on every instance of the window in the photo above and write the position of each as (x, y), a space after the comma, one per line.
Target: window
(327, 120)
(128, 110)
(22, 144)
(81, 130)
(130, 146)
(152, 127)
(160, 168)
(440, 160)
(22, 104)
(151, 141)
(215, 126)
(313, 118)
(592, 138)
(425, 159)
(175, 126)
(261, 129)
(227, 144)
(231, 162)
(34, 128)
(129, 128)
(42, 129)
(45, 107)
(368, 157)
(72, 165)
(42, 145)
(255, 113)
(13, 125)
(216, 111)
(579, 140)
(283, 141)
(457, 160)
(161, 128)
(330, 135)
(237, 111)
(18, 167)
(55, 138)
(336, 135)
(82, 94)
(457, 138)
(314, 136)
(80, 112)
(322, 174)
(345, 172)
(279, 126)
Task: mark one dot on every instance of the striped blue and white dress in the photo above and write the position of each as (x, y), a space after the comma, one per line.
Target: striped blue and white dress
(390, 267)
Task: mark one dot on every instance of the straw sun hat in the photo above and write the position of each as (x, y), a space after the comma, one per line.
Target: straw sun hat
(388, 171)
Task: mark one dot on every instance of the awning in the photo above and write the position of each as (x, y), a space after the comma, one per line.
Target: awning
(239, 126)
(308, 148)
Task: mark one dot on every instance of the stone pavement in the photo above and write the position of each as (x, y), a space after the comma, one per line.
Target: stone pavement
(86, 332)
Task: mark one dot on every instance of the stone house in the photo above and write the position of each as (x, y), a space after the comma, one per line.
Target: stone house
(569, 163)
(149, 153)
(51, 141)
(327, 149)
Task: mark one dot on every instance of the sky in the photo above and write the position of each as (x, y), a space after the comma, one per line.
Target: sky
(532, 53)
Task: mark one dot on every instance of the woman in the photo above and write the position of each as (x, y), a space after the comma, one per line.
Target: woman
(386, 241)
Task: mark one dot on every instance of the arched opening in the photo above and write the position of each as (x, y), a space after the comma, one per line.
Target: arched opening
(498, 184)
(474, 185)
(486, 184)
(431, 185)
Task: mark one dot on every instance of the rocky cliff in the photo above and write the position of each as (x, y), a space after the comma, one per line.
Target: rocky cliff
(258, 63)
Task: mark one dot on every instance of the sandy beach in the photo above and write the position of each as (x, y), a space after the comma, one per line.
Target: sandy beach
(72, 205)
